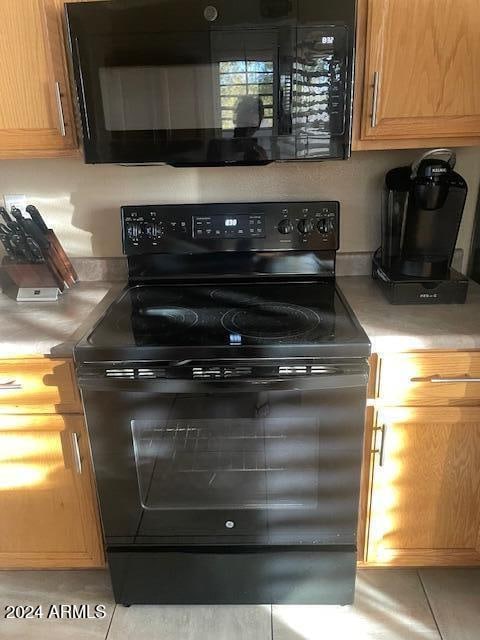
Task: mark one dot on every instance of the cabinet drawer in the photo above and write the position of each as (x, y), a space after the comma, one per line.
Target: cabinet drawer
(38, 385)
(451, 378)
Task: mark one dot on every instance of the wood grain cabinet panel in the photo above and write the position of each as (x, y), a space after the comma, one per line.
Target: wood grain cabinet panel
(425, 494)
(38, 385)
(418, 64)
(430, 378)
(47, 498)
(36, 116)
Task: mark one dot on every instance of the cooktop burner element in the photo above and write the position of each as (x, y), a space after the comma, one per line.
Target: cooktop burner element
(230, 297)
(170, 318)
(270, 321)
(233, 319)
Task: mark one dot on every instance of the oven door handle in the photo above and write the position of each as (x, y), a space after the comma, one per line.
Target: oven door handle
(169, 385)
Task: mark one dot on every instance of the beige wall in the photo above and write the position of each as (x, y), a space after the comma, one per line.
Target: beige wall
(81, 202)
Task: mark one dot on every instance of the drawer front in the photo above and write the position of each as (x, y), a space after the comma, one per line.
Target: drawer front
(38, 385)
(447, 378)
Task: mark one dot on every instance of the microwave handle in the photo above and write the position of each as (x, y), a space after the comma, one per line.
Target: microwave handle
(169, 385)
(81, 91)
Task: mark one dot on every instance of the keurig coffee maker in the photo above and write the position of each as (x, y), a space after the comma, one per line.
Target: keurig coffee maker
(421, 214)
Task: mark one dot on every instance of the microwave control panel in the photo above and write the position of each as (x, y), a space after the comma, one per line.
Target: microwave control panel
(284, 226)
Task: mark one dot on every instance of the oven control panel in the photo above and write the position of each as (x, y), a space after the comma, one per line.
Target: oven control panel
(225, 225)
(266, 226)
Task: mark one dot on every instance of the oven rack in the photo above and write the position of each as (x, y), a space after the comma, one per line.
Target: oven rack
(195, 449)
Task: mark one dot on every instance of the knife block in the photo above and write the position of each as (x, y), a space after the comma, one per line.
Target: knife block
(28, 282)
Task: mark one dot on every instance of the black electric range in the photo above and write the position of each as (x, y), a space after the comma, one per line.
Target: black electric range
(225, 392)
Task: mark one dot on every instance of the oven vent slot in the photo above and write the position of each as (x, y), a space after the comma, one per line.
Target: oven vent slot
(140, 373)
(220, 373)
(320, 370)
(293, 371)
(305, 370)
(120, 373)
(150, 373)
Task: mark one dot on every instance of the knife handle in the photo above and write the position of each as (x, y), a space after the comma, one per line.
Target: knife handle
(17, 214)
(36, 216)
(5, 216)
(35, 250)
(6, 243)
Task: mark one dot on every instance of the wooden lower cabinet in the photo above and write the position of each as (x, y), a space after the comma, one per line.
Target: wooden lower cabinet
(48, 507)
(424, 502)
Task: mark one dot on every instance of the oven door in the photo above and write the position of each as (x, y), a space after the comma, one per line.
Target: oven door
(255, 461)
(153, 88)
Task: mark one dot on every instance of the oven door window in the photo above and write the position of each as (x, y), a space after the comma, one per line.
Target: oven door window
(227, 463)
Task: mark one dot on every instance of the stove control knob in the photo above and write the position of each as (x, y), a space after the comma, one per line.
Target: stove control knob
(149, 230)
(134, 231)
(305, 226)
(285, 226)
(323, 225)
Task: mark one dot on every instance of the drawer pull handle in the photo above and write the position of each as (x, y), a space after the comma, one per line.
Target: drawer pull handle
(381, 451)
(76, 452)
(442, 380)
(10, 385)
(376, 82)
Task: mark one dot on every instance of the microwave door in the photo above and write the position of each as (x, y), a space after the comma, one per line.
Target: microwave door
(249, 93)
(202, 98)
(147, 98)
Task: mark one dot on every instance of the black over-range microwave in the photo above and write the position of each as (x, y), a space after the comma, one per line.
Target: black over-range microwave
(189, 83)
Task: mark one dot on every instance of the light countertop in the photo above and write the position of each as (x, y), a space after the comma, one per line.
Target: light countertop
(394, 328)
(53, 328)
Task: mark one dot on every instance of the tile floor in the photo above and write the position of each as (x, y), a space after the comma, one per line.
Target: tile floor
(391, 604)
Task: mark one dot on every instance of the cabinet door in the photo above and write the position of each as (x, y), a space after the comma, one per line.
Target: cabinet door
(421, 70)
(47, 499)
(36, 116)
(425, 501)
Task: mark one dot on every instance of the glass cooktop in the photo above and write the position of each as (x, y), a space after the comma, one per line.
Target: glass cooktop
(282, 313)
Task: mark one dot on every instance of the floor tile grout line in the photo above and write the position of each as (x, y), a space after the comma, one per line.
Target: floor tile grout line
(429, 603)
(111, 620)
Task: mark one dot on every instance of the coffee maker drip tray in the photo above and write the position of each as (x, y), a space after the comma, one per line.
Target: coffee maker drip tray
(401, 289)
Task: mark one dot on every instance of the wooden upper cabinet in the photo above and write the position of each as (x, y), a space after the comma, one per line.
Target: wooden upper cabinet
(36, 113)
(425, 496)
(417, 82)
